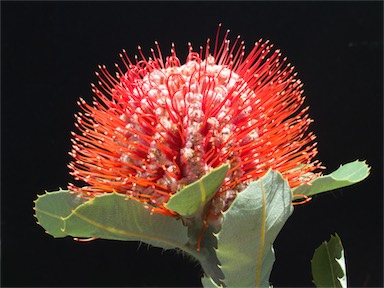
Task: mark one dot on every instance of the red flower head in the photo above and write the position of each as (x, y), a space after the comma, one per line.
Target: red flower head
(160, 125)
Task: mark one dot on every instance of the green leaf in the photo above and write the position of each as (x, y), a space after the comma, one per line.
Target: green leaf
(346, 175)
(249, 229)
(208, 282)
(328, 264)
(114, 216)
(207, 254)
(52, 207)
(192, 198)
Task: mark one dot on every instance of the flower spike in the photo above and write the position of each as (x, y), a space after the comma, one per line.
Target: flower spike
(159, 125)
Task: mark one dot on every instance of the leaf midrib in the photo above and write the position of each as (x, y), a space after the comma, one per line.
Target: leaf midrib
(127, 233)
(48, 214)
(331, 265)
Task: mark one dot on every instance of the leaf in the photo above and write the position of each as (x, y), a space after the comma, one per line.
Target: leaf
(52, 207)
(249, 229)
(207, 255)
(346, 175)
(328, 264)
(192, 198)
(208, 282)
(113, 216)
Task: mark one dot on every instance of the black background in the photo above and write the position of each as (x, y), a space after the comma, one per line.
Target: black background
(49, 53)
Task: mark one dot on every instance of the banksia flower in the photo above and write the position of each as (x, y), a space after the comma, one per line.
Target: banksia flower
(159, 125)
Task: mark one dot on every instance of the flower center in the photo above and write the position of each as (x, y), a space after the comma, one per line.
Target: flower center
(185, 117)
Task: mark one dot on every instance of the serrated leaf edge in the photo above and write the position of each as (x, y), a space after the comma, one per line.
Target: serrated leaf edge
(330, 175)
(347, 179)
(338, 260)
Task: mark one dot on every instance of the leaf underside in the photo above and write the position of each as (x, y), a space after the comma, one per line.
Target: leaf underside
(249, 229)
(328, 264)
(345, 175)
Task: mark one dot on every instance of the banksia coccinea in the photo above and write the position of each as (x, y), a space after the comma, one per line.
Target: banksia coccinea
(159, 125)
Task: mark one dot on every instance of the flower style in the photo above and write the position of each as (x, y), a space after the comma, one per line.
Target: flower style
(159, 125)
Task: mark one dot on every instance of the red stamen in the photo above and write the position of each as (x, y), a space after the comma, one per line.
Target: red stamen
(161, 125)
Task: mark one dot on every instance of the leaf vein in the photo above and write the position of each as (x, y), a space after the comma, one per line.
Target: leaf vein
(48, 214)
(129, 233)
